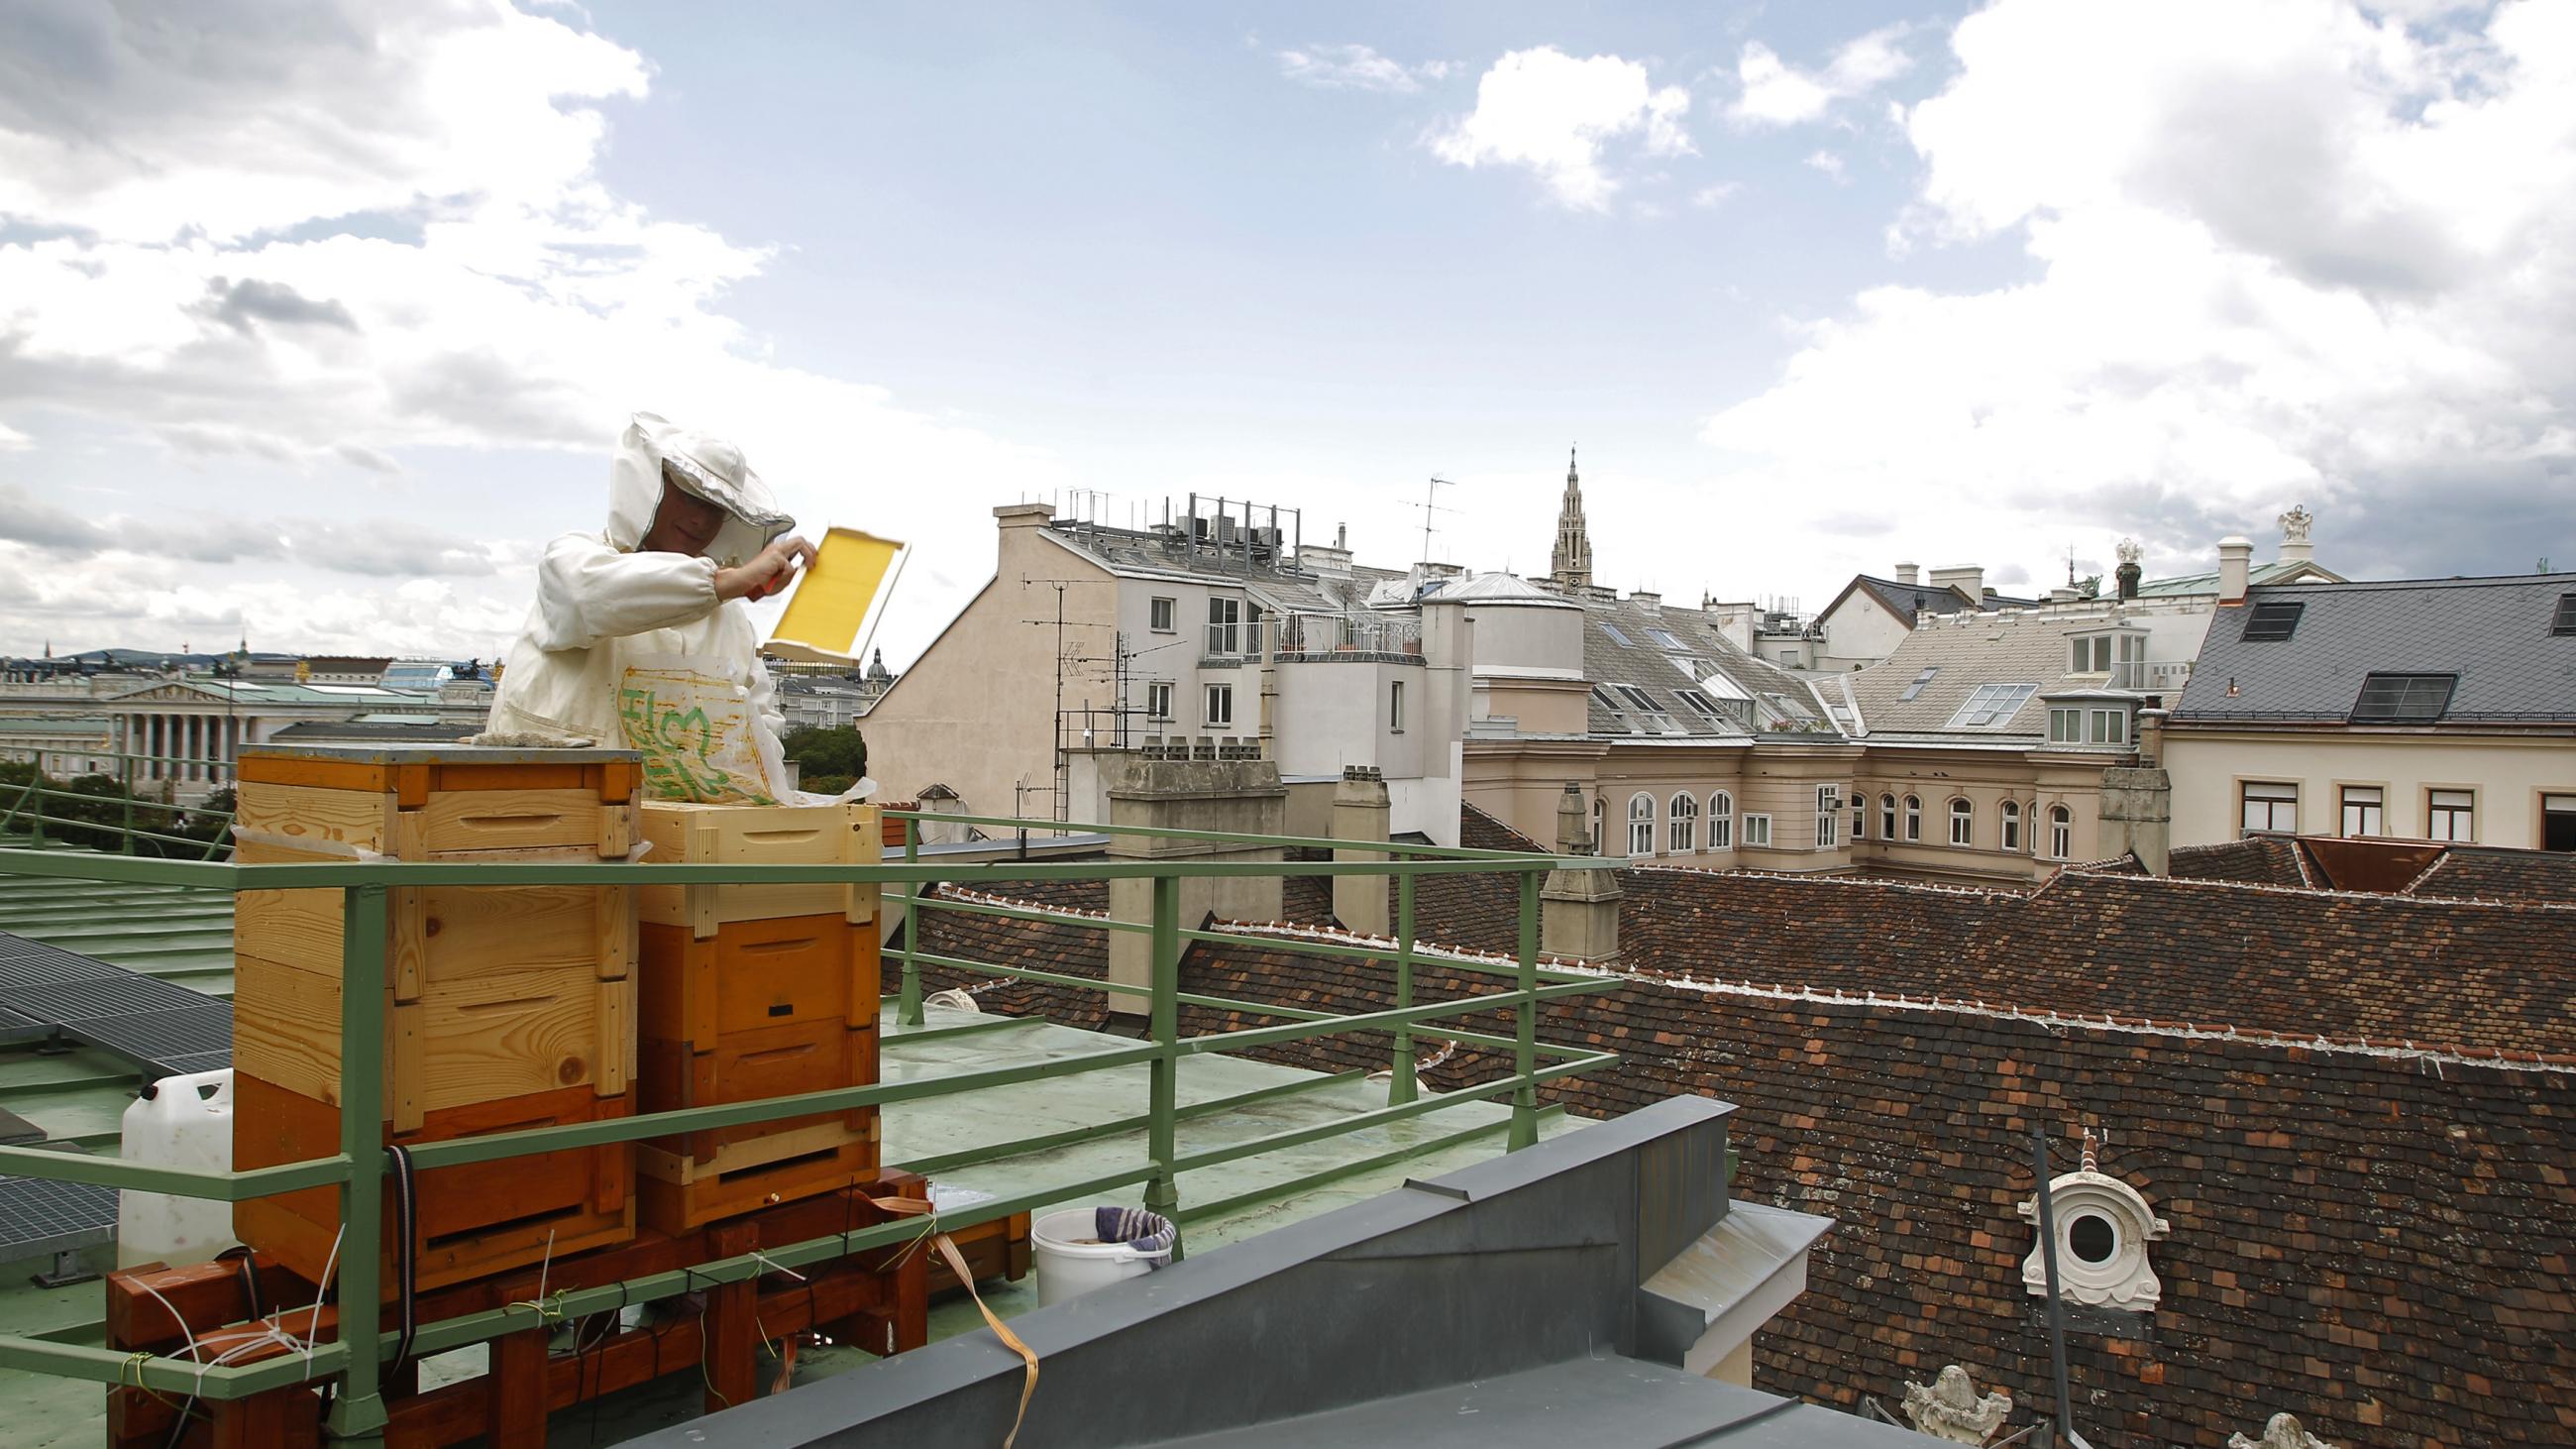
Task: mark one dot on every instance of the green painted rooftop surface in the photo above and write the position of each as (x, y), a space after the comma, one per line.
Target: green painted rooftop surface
(186, 935)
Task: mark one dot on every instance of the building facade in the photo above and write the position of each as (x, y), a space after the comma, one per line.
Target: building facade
(2440, 709)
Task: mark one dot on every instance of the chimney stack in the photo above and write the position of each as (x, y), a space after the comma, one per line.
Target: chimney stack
(1573, 827)
(1360, 814)
(2129, 573)
(1907, 573)
(2235, 562)
(1578, 909)
(1970, 581)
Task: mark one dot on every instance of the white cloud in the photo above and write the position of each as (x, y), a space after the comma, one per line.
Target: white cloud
(1356, 68)
(1776, 93)
(305, 239)
(1828, 163)
(1554, 114)
(2325, 262)
(1715, 194)
(11, 440)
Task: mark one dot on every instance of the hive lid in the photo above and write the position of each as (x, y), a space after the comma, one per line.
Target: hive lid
(441, 754)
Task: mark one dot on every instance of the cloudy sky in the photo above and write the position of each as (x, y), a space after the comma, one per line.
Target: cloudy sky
(317, 319)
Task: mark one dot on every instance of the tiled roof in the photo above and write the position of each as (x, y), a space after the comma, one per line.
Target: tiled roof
(1781, 701)
(2341, 966)
(2469, 872)
(2001, 648)
(1906, 600)
(2372, 1239)
(2256, 860)
(2494, 634)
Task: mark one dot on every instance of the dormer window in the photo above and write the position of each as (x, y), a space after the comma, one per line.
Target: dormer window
(2103, 1229)
(2121, 653)
(2070, 724)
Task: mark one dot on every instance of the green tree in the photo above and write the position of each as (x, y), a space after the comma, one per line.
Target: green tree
(830, 760)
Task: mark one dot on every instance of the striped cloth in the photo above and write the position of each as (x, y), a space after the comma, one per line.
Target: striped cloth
(1149, 1233)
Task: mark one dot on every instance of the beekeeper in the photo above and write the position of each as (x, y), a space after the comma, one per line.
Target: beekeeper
(692, 534)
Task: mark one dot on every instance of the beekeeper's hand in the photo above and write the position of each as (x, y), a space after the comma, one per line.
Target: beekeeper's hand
(768, 571)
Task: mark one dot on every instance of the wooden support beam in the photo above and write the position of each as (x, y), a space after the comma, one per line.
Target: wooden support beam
(732, 1377)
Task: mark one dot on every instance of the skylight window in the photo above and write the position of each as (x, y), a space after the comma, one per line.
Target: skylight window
(1920, 680)
(1666, 639)
(1605, 699)
(2565, 623)
(1992, 706)
(1622, 640)
(1639, 699)
(1705, 706)
(1692, 669)
(2273, 620)
(2403, 698)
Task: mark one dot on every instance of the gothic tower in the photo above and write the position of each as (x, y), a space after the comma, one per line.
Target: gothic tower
(1570, 566)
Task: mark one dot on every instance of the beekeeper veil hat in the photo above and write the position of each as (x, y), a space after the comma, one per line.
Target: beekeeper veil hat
(708, 467)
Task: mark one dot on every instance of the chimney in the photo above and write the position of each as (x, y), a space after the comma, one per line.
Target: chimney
(1573, 825)
(2128, 573)
(1969, 581)
(2294, 535)
(1907, 573)
(1578, 909)
(1647, 600)
(2137, 817)
(1360, 814)
(1025, 515)
(2235, 561)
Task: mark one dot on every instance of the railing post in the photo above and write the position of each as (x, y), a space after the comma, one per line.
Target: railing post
(1162, 1193)
(1400, 1086)
(908, 1005)
(1525, 1050)
(359, 1410)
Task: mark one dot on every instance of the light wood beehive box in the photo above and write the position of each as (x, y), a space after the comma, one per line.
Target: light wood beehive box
(752, 991)
(506, 1007)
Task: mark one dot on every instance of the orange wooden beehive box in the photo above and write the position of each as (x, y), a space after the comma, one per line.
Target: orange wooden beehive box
(752, 991)
(506, 1007)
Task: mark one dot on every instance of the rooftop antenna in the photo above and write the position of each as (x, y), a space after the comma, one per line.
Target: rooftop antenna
(1429, 506)
(2070, 565)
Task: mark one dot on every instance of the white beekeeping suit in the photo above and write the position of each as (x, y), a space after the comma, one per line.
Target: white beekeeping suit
(602, 603)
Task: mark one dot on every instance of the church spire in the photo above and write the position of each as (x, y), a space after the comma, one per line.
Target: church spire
(1570, 565)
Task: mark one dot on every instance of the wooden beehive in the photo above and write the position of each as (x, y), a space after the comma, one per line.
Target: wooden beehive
(754, 991)
(505, 1007)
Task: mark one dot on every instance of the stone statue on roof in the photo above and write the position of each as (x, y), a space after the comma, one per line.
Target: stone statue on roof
(1950, 1407)
(2282, 1431)
(2294, 524)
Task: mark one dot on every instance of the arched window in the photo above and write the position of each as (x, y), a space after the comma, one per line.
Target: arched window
(2061, 832)
(1963, 823)
(1860, 816)
(1641, 825)
(1887, 817)
(1721, 821)
(2008, 826)
(1685, 822)
(1913, 817)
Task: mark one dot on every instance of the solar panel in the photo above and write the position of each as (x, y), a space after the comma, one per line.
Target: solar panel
(33, 963)
(2273, 620)
(41, 1216)
(2403, 698)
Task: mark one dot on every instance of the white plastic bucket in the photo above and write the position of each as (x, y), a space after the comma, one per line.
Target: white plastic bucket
(186, 1122)
(1072, 1260)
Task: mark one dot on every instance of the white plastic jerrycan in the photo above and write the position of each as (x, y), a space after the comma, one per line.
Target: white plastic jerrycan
(180, 1122)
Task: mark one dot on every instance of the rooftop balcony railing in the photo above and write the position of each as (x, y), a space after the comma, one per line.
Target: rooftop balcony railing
(1345, 636)
(358, 1170)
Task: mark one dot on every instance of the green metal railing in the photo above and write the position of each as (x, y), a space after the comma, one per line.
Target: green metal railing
(25, 811)
(358, 1169)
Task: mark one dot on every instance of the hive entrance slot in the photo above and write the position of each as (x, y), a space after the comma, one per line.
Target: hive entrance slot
(742, 1174)
(481, 1231)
